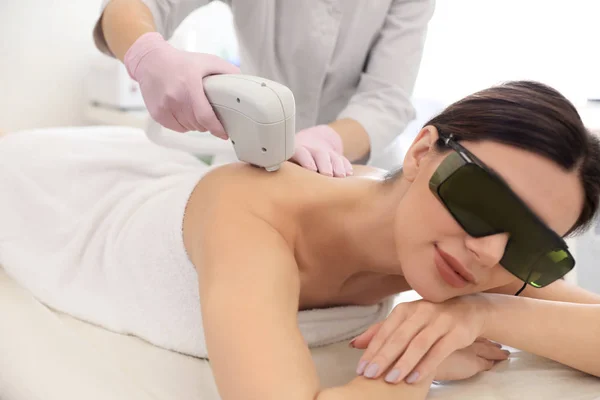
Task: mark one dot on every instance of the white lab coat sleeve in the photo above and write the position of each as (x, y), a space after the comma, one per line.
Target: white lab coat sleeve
(382, 102)
(168, 14)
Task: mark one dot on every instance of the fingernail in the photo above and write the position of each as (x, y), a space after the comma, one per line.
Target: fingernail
(361, 367)
(412, 378)
(506, 352)
(351, 344)
(371, 371)
(392, 376)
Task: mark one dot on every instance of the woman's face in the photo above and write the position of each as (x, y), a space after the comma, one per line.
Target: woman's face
(425, 231)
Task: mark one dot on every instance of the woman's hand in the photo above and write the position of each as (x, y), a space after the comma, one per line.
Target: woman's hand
(481, 356)
(418, 336)
(465, 363)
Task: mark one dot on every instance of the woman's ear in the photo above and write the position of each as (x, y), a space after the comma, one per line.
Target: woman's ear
(422, 146)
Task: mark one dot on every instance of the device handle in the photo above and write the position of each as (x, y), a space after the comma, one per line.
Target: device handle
(257, 114)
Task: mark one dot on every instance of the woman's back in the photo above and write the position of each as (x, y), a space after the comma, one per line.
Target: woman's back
(93, 219)
(312, 214)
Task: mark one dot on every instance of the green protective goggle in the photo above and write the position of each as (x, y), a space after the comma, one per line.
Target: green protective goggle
(483, 204)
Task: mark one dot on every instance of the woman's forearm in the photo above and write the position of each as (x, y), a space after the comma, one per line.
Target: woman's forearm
(123, 22)
(363, 388)
(568, 333)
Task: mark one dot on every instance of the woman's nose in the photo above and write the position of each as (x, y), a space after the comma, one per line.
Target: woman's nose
(488, 249)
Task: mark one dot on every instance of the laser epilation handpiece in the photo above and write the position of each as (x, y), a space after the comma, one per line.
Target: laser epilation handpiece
(257, 114)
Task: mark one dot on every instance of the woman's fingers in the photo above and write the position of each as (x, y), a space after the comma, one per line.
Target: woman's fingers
(417, 337)
(415, 351)
(392, 344)
(485, 364)
(490, 351)
(363, 340)
(484, 353)
(482, 339)
(386, 330)
(488, 354)
(429, 363)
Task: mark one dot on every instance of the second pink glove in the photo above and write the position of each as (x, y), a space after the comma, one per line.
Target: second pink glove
(320, 148)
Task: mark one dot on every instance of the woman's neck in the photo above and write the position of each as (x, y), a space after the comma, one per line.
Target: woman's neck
(347, 232)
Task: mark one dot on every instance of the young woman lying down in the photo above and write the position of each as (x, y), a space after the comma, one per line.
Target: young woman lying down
(108, 227)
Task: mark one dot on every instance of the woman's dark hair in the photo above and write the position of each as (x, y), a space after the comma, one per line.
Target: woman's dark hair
(533, 117)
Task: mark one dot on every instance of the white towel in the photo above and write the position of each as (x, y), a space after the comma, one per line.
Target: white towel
(91, 223)
(321, 327)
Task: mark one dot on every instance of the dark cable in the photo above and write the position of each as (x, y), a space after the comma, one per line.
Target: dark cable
(522, 288)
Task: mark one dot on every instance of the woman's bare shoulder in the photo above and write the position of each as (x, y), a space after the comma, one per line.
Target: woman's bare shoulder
(288, 170)
(236, 196)
(241, 188)
(247, 179)
(367, 171)
(238, 185)
(241, 179)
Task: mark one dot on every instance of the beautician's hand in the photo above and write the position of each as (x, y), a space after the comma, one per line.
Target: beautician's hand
(171, 83)
(418, 336)
(320, 149)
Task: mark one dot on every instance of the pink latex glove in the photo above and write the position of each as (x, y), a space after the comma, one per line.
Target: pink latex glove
(320, 148)
(171, 83)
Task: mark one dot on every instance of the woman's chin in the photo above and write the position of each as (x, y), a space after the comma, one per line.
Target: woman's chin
(427, 288)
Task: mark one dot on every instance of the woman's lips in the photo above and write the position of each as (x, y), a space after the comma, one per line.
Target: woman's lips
(449, 269)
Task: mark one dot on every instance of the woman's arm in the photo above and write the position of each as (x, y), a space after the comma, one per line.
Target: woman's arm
(560, 290)
(568, 320)
(417, 336)
(361, 388)
(565, 332)
(249, 290)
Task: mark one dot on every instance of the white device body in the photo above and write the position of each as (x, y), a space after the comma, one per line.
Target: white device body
(258, 115)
